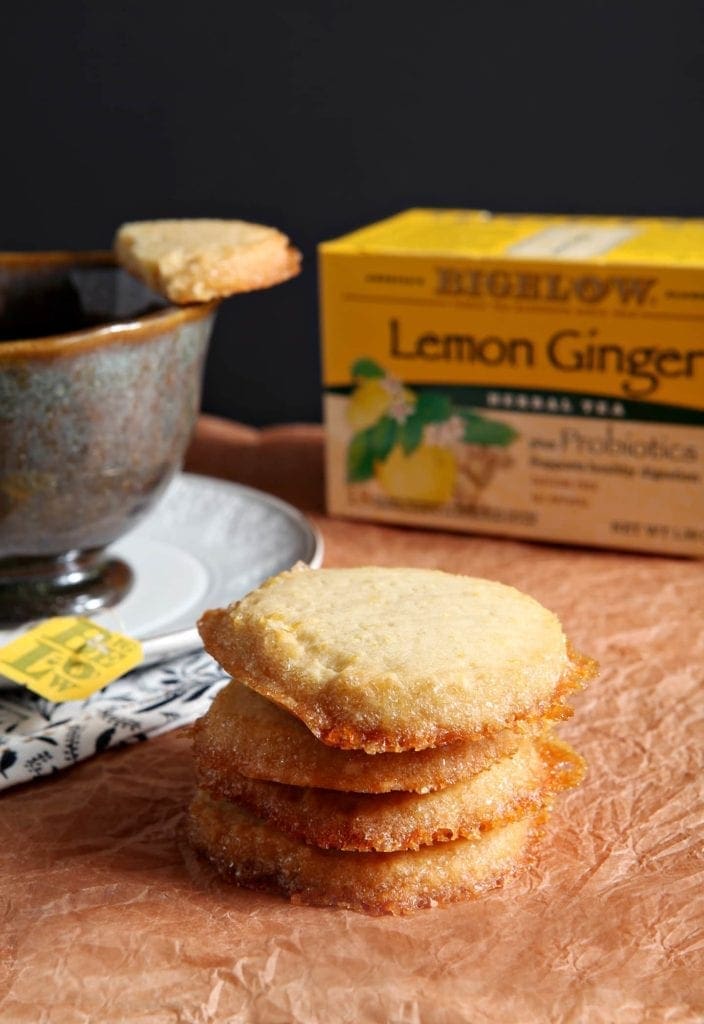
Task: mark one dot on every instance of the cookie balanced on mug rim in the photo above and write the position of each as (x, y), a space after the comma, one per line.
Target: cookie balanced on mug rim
(200, 259)
(395, 659)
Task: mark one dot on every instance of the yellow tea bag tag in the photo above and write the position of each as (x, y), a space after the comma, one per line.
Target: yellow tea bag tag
(68, 658)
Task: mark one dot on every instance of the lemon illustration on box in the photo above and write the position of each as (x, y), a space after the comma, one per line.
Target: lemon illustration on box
(417, 446)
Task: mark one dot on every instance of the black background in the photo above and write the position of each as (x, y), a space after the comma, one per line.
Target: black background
(321, 116)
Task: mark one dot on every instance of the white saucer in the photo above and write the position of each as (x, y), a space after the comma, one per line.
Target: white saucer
(207, 543)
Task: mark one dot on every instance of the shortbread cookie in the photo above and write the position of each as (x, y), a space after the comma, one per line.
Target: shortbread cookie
(200, 260)
(511, 788)
(395, 659)
(244, 734)
(251, 853)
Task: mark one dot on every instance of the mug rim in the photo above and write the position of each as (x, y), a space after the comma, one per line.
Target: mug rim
(136, 329)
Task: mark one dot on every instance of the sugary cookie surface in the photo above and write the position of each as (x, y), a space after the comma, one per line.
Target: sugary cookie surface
(511, 788)
(251, 852)
(394, 659)
(245, 734)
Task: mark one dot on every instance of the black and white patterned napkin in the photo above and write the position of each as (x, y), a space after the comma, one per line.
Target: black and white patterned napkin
(38, 737)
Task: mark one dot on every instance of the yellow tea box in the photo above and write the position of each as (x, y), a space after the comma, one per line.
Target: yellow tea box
(532, 376)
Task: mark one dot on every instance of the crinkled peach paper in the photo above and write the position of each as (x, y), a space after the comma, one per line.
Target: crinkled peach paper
(106, 917)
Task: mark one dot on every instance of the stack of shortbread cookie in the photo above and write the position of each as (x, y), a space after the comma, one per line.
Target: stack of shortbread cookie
(386, 742)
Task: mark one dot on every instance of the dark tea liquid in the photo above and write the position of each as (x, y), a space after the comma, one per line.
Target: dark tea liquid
(37, 303)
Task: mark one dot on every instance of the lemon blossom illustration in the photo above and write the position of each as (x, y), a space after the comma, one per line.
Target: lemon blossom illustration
(416, 446)
(403, 401)
(376, 397)
(448, 433)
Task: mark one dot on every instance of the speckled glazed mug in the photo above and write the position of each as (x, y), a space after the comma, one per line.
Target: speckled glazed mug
(100, 384)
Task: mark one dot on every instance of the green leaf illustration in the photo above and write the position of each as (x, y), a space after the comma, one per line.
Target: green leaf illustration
(411, 432)
(478, 430)
(382, 437)
(369, 446)
(360, 462)
(366, 368)
(433, 407)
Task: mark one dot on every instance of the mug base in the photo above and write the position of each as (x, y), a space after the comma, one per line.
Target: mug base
(79, 583)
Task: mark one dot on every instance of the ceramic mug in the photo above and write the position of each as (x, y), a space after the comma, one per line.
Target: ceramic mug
(100, 383)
